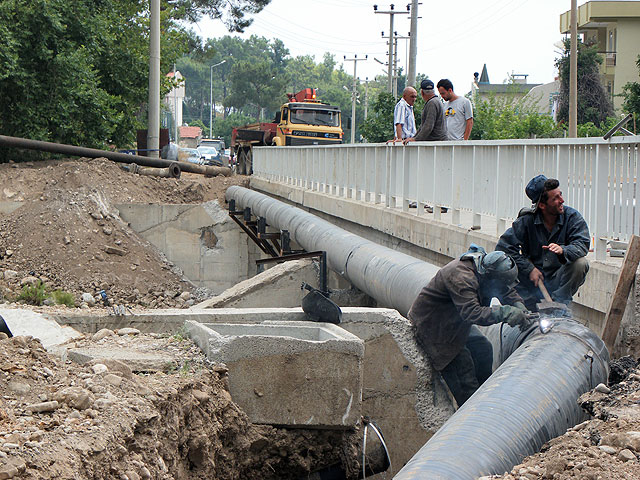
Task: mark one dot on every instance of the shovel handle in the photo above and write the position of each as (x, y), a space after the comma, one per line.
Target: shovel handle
(544, 291)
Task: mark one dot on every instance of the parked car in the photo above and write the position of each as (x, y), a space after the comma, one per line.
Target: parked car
(191, 155)
(210, 155)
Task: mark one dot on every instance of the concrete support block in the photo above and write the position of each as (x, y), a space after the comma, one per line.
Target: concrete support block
(289, 373)
(278, 286)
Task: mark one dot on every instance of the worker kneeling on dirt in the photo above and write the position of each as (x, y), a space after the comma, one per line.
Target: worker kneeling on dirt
(548, 242)
(447, 310)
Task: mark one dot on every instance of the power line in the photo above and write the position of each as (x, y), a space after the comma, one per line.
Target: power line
(392, 13)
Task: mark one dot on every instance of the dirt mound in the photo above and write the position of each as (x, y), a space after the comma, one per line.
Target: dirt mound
(68, 232)
(60, 420)
(604, 448)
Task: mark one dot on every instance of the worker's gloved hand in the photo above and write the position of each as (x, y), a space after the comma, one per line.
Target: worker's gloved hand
(511, 315)
(521, 306)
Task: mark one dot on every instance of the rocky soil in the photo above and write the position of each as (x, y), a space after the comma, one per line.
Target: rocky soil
(69, 235)
(606, 447)
(61, 420)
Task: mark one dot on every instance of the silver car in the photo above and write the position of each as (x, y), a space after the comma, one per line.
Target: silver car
(210, 155)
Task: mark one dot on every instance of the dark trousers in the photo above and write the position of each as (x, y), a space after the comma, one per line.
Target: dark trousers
(561, 284)
(470, 368)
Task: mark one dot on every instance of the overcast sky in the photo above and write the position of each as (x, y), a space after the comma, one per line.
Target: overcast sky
(455, 37)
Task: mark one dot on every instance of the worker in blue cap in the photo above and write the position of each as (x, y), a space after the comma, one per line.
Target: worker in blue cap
(549, 243)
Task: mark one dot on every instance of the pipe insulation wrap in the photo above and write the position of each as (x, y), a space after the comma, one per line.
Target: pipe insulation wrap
(394, 279)
(529, 399)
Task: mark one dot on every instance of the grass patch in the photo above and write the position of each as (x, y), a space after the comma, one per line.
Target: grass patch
(34, 294)
(181, 335)
(63, 298)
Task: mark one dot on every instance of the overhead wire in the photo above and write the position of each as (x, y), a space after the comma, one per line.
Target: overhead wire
(477, 29)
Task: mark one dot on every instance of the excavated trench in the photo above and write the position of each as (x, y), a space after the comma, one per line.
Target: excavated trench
(398, 390)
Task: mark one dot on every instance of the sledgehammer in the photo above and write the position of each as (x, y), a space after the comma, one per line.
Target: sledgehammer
(548, 306)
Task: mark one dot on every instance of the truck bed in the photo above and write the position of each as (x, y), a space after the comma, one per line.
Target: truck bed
(256, 133)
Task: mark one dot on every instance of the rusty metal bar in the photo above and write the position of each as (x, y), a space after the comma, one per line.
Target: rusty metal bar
(298, 256)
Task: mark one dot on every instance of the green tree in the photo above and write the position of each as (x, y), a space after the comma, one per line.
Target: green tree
(594, 104)
(501, 118)
(76, 71)
(232, 13)
(631, 92)
(379, 125)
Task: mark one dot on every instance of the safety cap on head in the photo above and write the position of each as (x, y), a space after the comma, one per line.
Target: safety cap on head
(499, 267)
(426, 84)
(535, 188)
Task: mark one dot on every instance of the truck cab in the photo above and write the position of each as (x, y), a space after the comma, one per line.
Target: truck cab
(306, 121)
(303, 120)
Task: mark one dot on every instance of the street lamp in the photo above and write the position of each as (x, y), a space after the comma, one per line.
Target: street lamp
(211, 97)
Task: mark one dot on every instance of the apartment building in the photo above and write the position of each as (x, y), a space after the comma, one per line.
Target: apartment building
(614, 27)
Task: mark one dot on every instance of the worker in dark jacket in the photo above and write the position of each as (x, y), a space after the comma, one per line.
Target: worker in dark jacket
(549, 243)
(456, 299)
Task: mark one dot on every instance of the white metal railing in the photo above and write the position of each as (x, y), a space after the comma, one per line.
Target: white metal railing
(484, 178)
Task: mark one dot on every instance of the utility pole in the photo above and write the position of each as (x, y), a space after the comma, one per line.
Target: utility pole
(396, 37)
(413, 44)
(573, 73)
(391, 12)
(366, 97)
(211, 96)
(354, 92)
(175, 104)
(153, 124)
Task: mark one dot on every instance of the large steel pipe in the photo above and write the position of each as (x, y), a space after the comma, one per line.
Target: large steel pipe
(529, 399)
(392, 278)
(16, 142)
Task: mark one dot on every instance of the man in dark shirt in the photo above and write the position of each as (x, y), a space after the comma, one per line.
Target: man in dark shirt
(445, 314)
(434, 125)
(549, 243)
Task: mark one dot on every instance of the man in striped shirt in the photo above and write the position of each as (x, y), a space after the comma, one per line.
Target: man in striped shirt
(403, 120)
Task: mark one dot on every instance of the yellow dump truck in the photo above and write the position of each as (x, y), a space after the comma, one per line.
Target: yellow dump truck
(303, 120)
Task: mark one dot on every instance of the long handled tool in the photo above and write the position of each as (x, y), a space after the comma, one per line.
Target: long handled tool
(548, 306)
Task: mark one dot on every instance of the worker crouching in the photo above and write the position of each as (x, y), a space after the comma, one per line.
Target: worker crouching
(445, 314)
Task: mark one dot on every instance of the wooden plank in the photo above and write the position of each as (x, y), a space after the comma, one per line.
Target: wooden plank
(621, 293)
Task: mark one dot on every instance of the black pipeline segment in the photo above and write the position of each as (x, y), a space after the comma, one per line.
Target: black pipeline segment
(529, 399)
(16, 142)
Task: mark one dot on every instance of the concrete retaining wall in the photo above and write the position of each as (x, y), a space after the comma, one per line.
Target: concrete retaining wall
(200, 239)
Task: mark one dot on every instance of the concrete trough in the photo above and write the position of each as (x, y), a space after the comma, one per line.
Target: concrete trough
(288, 373)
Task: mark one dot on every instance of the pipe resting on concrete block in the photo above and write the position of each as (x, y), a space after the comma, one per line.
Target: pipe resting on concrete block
(529, 399)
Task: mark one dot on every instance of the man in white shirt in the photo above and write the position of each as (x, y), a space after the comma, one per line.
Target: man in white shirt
(403, 120)
(457, 110)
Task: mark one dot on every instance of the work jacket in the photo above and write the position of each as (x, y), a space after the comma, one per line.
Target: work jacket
(523, 241)
(446, 308)
(434, 125)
